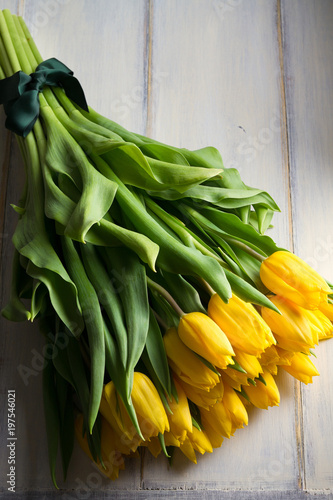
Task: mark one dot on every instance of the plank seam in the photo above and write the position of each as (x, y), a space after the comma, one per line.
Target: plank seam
(148, 125)
(20, 7)
(299, 424)
(284, 128)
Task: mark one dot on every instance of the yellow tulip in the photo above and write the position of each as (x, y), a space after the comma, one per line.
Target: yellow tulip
(292, 328)
(148, 406)
(214, 437)
(285, 357)
(269, 356)
(203, 399)
(196, 441)
(171, 440)
(187, 449)
(201, 334)
(186, 364)
(114, 411)
(327, 309)
(218, 418)
(111, 456)
(319, 320)
(180, 419)
(302, 368)
(237, 410)
(249, 363)
(242, 324)
(287, 275)
(232, 382)
(154, 445)
(273, 357)
(262, 396)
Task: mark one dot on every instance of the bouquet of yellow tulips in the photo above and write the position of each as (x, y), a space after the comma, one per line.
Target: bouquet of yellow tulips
(166, 309)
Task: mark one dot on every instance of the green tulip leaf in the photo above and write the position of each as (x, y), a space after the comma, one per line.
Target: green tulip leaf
(108, 296)
(248, 293)
(131, 287)
(94, 325)
(156, 354)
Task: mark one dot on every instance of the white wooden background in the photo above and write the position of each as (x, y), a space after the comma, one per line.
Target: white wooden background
(255, 79)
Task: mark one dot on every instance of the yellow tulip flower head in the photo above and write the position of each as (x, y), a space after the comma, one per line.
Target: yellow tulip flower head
(327, 309)
(262, 396)
(148, 406)
(203, 398)
(249, 363)
(218, 418)
(154, 445)
(180, 419)
(201, 334)
(287, 275)
(320, 320)
(186, 364)
(111, 456)
(301, 368)
(196, 441)
(214, 437)
(114, 411)
(270, 355)
(292, 328)
(242, 324)
(237, 410)
(273, 357)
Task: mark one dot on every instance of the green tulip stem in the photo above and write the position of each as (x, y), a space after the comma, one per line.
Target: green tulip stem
(2, 73)
(160, 320)
(207, 286)
(246, 248)
(162, 291)
(8, 43)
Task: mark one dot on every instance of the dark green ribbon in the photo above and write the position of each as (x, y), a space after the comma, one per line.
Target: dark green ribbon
(19, 93)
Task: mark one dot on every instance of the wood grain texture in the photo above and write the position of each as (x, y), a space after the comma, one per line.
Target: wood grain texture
(113, 37)
(253, 79)
(175, 494)
(309, 92)
(220, 90)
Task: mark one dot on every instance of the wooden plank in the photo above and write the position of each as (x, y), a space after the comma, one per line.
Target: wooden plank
(12, 5)
(309, 92)
(172, 495)
(223, 88)
(214, 78)
(108, 56)
(104, 43)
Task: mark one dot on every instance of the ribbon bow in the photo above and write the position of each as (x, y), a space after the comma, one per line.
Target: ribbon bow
(19, 93)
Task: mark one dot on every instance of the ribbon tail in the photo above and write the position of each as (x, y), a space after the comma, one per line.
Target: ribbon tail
(74, 91)
(22, 113)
